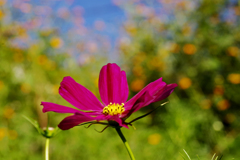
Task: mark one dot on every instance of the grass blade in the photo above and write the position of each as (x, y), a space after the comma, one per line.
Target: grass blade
(187, 154)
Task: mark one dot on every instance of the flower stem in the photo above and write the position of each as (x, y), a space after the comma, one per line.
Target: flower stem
(47, 149)
(125, 143)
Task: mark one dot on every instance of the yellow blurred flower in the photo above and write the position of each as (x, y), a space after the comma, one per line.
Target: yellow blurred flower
(131, 29)
(1, 85)
(186, 30)
(234, 78)
(154, 139)
(185, 83)
(3, 133)
(18, 57)
(219, 79)
(8, 112)
(218, 90)
(189, 49)
(137, 85)
(230, 118)
(21, 31)
(1, 14)
(56, 42)
(175, 48)
(55, 89)
(182, 4)
(25, 88)
(139, 58)
(96, 82)
(206, 104)
(50, 65)
(237, 10)
(223, 105)
(42, 59)
(2, 2)
(233, 51)
(12, 134)
(137, 70)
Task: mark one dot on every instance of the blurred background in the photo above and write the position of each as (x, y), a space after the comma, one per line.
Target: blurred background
(192, 43)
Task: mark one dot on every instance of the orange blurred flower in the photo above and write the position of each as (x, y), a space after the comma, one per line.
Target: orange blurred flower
(56, 42)
(154, 139)
(185, 83)
(218, 90)
(233, 51)
(3, 133)
(234, 78)
(230, 118)
(139, 58)
(8, 112)
(223, 105)
(137, 85)
(206, 104)
(237, 10)
(137, 70)
(18, 57)
(2, 2)
(1, 14)
(12, 134)
(189, 49)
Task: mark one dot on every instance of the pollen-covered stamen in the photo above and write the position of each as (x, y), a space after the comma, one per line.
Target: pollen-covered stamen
(113, 109)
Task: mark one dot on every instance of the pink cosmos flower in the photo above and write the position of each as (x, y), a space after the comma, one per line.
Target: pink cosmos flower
(113, 89)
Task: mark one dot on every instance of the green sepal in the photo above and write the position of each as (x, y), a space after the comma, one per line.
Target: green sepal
(49, 132)
(34, 123)
(140, 117)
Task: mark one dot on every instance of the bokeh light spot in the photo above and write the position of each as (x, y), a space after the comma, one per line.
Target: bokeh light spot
(185, 83)
(189, 49)
(154, 139)
(234, 78)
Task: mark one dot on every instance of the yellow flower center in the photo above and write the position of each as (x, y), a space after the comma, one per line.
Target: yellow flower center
(113, 109)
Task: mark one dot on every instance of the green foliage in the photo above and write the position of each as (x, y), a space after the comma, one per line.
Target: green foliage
(197, 49)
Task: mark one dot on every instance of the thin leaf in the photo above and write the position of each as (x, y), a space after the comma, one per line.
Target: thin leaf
(56, 131)
(147, 113)
(34, 123)
(216, 158)
(182, 156)
(221, 157)
(187, 154)
(213, 156)
(198, 157)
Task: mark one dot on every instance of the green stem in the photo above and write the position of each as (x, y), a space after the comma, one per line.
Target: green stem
(47, 149)
(125, 143)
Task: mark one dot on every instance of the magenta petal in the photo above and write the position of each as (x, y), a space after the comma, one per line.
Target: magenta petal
(143, 101)
(47, 106)
(158, 93)
(146, 93)
(124, 87)
(167, 91)
(120, 122)
(79, 96)
(113, 86)
(74, 120)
